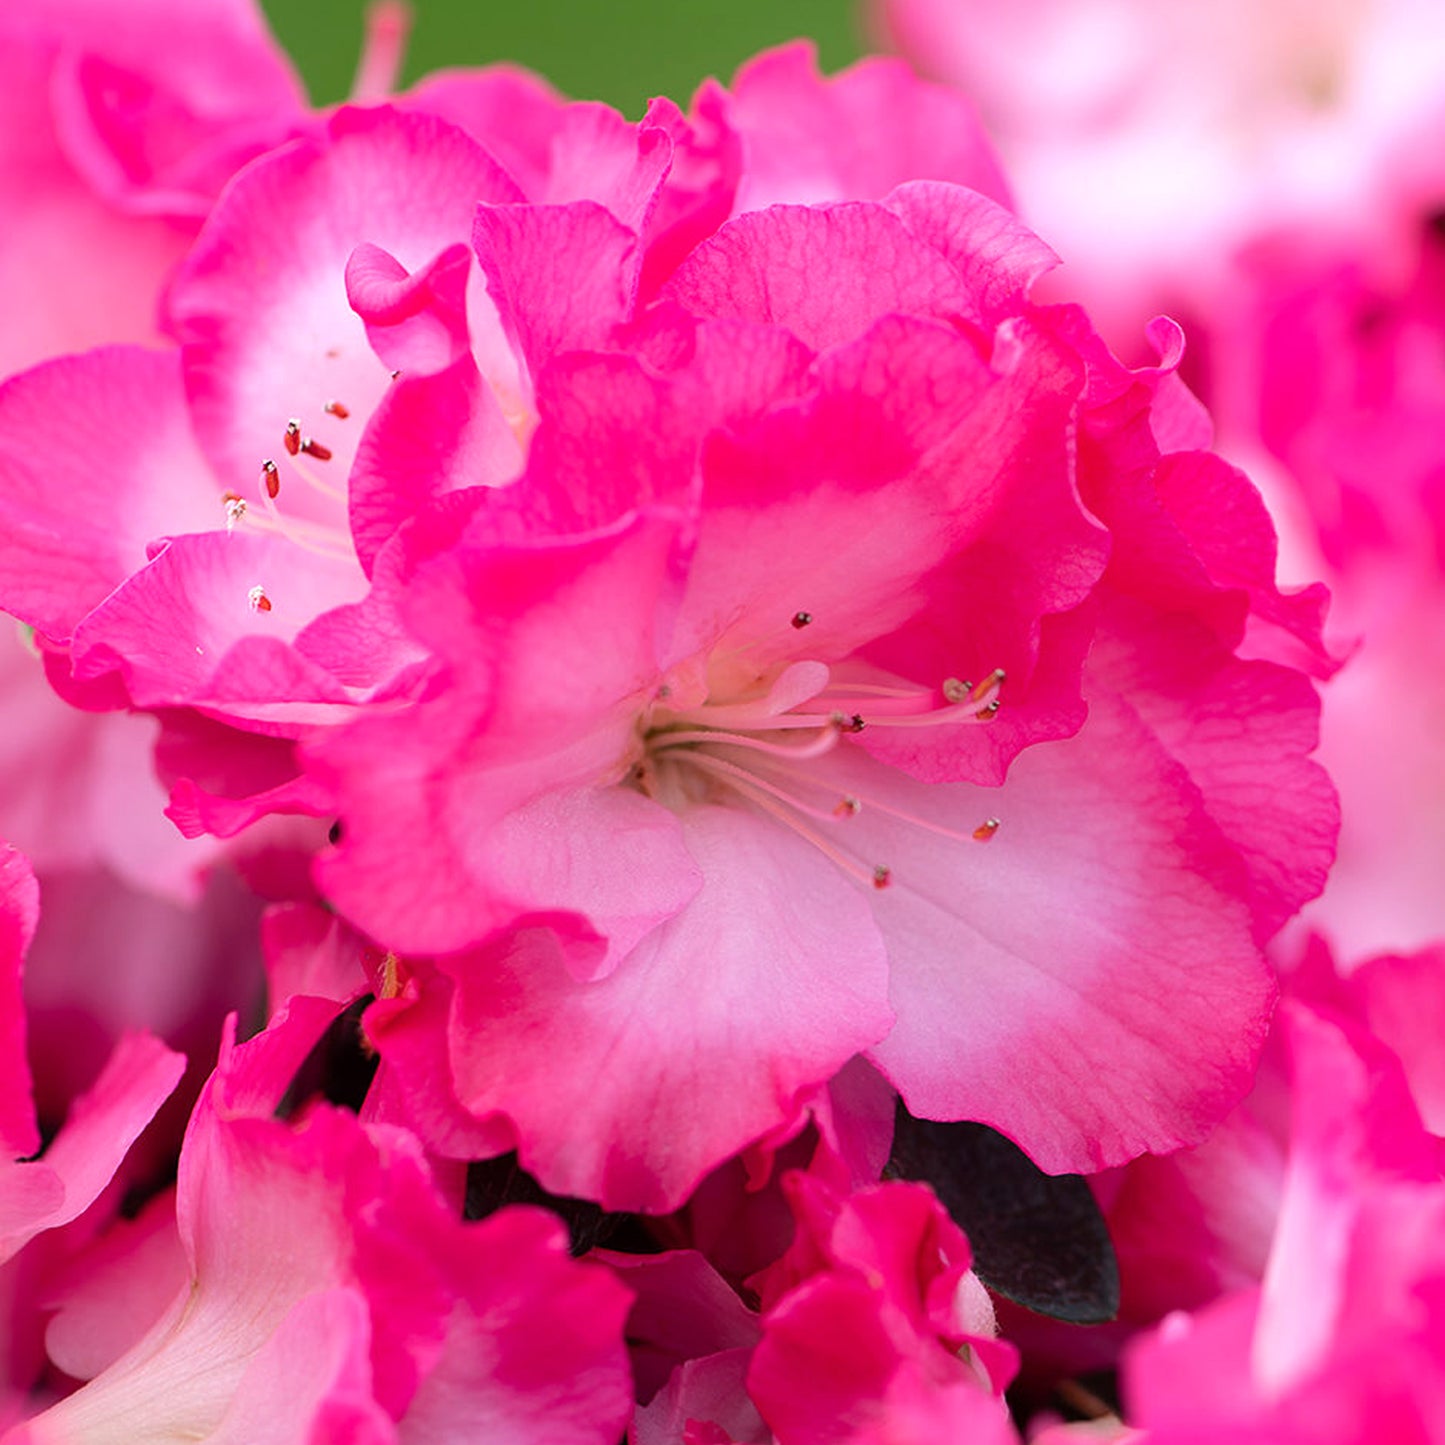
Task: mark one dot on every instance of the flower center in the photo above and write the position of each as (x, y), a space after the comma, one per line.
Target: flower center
(762, 749)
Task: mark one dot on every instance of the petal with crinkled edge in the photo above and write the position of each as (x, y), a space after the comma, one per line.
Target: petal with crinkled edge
(704, 1036)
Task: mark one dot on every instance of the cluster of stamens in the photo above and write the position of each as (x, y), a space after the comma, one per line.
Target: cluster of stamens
(770, 749)
(311, 536)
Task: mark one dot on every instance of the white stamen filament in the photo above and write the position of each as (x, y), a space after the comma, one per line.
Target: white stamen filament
(749, 789)
(826, 741)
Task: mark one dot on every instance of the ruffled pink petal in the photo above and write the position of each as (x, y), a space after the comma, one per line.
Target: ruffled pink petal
(187, 627)
(996, 254)
(562, 277)
(852, 136)
(260, 306)
(430, 435)
(533, 1348)
(1402, 1000)
(80, 1161)
(766, 267)
(1244, 731)
(515, 114)
(704, 1035)
(81, 500)
(598, 155)
(311, 1380)
(415, 321)
(1105, 911)
(705, 1402)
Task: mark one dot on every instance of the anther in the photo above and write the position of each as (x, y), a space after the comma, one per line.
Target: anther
(258, 600)
(336, 409)
(235, 509)
(989, 710)
(991, 683)
(986, 829)
(882, 876)
(846, 724)
(271, 478)
(956, 691)
(802, 620)
(848, 807)
(293, 437)
(313, 448)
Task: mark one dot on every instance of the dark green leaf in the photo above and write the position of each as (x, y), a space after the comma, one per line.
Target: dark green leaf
(1037, 1238)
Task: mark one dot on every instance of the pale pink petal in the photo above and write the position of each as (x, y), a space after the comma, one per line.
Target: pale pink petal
(111, 1294)
(785, 983)
(1105, 911)
(101, 1127)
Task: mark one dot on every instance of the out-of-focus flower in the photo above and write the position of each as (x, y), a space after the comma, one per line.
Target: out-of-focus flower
(1150, 139)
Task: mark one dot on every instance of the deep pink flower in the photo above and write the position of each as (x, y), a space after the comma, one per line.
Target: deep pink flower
(329, 1291)
(657, 642)
(872, 1329)
(678, 755)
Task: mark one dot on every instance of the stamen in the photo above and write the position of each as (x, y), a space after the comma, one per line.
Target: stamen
(825, 742)
(802, 620)
(258, 600)
(336, 409)
(848, 807)
(271, 479)
(235, 509)
(314, 448)
(722, 768)
(755, 794)
(986, 829)
(882, 876)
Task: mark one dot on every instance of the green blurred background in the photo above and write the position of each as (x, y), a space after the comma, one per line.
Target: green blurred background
(622, 52)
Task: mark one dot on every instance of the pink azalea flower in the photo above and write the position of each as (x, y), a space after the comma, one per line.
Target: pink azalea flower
(678, 728)
(646, 764)
(330, 1290)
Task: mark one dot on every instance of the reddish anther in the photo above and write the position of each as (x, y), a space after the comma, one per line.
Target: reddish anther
(293, 437)
(313, 448)
(270, 479)
(335, 408)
